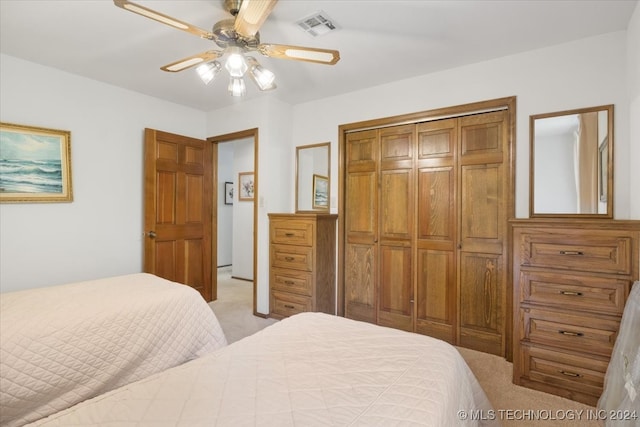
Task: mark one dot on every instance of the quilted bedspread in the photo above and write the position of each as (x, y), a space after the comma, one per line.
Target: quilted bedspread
(311, 369)
(61, 345)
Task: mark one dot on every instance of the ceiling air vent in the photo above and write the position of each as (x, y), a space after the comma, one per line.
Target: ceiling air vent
(317, 24)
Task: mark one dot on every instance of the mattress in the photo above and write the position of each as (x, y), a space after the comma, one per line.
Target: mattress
(62, 345)
(311, 369)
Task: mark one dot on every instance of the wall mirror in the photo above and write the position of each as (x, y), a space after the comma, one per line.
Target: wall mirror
(312, 177)
(571, 170)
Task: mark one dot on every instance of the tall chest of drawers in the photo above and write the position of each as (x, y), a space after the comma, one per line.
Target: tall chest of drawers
(302, 263)
(571, 280)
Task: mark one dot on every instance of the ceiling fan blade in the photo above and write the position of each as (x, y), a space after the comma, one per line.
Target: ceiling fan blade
(252, 15)
(192, 61)
(165, 19)
(299, 53)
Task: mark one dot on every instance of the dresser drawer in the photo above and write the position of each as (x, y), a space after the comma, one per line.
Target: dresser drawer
(583, 252)
(567, 371)
(586, 334)
(295, 257)
(292, 232)
(297, 282)
(574, 292)
(285, 304)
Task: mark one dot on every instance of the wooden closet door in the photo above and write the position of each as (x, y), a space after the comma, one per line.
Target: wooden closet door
(396, 227)
(361, 226)
(436, 232)
(483, 163)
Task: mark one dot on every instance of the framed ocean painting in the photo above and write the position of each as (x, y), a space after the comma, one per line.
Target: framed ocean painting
(320, 192)
(35, 164)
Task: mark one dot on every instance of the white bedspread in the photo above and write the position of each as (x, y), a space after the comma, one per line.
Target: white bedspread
(64, 344)
(311, 369)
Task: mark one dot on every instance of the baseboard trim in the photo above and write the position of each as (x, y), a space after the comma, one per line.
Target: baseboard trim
(242, 278)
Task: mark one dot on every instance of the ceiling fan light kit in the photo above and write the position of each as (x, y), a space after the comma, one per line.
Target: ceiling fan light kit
(235, 37)
(208, 71)
(237, 87)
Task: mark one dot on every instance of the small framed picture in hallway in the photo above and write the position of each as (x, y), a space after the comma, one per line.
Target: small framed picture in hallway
(245, 186)
(228, 193)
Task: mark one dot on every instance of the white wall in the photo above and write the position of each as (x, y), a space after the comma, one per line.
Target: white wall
(633, 76)
(243, 155)
(99, 234)
(225, 212)
(583, 73)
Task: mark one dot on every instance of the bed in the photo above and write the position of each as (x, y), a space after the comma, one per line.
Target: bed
(311, 369)
(62, 345)
(620, 400)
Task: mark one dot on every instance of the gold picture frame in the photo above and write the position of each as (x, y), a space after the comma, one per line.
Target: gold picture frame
(320, 192)
(245, 186)
(36, 164)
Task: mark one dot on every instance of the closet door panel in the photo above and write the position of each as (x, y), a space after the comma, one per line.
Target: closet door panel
(397, 147)
(483, 138)
(360, 282)
(361, 219)
(481, 302)
(435, 298)
(436, 204)
(361, 226)
(361, 151)
(396, 204)
(436, 277)
(483, 162)
(482, 213)
(395, 287)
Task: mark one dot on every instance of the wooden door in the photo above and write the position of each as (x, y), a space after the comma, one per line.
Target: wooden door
(361, 226)
(396, 225)
(436, 293)
(482, 227)
(178, 212)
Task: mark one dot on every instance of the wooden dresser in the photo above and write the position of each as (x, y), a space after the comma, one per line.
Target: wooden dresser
(571, 280)
(302, 263)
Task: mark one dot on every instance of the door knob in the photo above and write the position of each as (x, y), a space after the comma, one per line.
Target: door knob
(152, 234)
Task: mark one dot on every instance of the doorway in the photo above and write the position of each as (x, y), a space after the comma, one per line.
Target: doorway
(244, 266)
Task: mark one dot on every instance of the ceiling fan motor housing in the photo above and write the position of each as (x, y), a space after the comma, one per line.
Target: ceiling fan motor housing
(225, 36)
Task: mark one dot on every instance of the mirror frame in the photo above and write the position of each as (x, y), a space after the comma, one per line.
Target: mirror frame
(610, 142)
(304, 147)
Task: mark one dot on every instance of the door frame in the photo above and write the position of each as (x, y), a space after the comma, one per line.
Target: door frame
(219, 139)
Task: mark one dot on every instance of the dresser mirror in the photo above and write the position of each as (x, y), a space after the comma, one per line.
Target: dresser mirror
(571, 170)
(312, 177)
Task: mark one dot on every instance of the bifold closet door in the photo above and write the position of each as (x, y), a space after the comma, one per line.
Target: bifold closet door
(436, 294)
(361, 226)
(396, 225)
(483, 162)
(425, 228)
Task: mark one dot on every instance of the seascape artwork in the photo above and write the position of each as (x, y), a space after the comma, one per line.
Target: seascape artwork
(34, 164)
(320, 192)
(30, 163)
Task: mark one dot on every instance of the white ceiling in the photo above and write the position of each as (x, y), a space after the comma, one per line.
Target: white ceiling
(379, 41)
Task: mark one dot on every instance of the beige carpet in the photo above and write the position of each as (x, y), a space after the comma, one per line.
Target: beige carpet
(513, 405)
(234, 307)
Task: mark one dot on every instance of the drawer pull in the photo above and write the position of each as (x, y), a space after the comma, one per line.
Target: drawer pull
(289, 282)
(570, 374)
(289, 234)
(571, 333)
(289, 258)
(571, 253)
(289, 306)
(572, 293)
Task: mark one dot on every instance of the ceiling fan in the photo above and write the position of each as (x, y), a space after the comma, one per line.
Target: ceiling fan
(235, 37)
